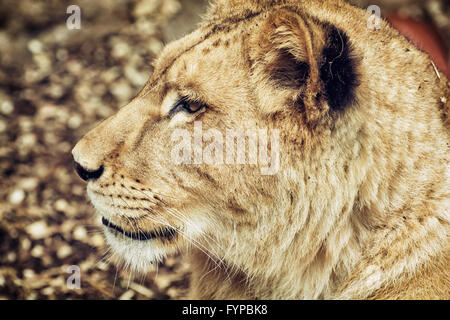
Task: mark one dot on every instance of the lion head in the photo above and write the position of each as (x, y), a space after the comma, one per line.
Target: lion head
(268, 140)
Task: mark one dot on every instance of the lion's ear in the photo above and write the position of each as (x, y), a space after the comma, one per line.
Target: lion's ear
(338, 69)
(282, 49)
(312, 60)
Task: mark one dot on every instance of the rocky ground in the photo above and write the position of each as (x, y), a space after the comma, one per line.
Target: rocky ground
(56, 84)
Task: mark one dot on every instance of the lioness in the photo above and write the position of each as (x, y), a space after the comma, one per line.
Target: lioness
(359, 207)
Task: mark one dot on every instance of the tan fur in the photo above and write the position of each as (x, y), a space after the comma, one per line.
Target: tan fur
(360, 206)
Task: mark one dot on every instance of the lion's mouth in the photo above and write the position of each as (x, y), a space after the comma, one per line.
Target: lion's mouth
(165, 232)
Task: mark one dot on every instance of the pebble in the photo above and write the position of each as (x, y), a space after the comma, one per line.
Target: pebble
(26, 124)
(120, 50)
(80, 233)
(74, 121)
(137, 78)
(127, 295)
(141, 290)
(170, 7)
(35, 46)
(57, 282)
(28, 273)
(38, 230)
(11, 257)
(64, 251)
(3, 126)
(145, 27)
(17, 196)
(97, 240)
(145, 7)
(27, 140)
(121, 90)
(32, 296)
(62, 54)
(162, 281)
(25, 244)
(29, 183)
(47, 291)
(155, 46)
(37, 251)
(67, 226)
(74, 67)
(6, 107)
(61, 205)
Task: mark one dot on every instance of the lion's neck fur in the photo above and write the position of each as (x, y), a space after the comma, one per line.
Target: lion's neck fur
(385, 224)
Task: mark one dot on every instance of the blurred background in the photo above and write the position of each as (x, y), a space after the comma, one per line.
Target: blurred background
(55, 85)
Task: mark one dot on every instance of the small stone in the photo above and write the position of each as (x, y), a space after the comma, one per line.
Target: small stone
(38, 230)
(97, 240)
(74, 67)
(121, 90)
(120, 50)
(31, 296)
(87, 264)
(61, 205)
(141, 290)
(62, 54)
(35, 46)
(137, 78)
(26, 124)
(57, 282)
(25, 244)
(102, 266)
(110, 75)
(3, 126)
(11, 257)
(29, 183)
(162, 281)
(173, 293)
(80, 233)
(155, 46)
(17, 196)
(64, 251)
(146, 27)
(47, 291)
(75, 121)
(37, 251)
(27, 140)
(67, 226)
(28, 274)
(56, 91)
(145, 7)
(127, 295)
(6, 107)
(170, 8)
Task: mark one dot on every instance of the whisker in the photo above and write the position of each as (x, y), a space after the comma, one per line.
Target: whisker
(184, 219)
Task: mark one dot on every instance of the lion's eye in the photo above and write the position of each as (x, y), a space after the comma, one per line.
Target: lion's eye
(184, 105)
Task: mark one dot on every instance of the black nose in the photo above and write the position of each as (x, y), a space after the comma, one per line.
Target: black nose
(88, 174)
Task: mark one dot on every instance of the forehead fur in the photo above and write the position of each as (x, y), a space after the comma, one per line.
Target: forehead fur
(239, 9)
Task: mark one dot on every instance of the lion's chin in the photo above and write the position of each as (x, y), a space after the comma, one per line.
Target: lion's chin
(136, 255)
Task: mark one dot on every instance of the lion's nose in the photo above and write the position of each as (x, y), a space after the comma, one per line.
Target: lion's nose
(87, 175)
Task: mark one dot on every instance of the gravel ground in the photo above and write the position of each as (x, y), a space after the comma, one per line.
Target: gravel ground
(56, 84)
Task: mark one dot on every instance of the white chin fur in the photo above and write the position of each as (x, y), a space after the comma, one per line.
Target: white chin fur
(137, 255)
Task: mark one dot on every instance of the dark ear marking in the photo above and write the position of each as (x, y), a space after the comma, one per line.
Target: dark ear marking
(338, 70)
(288, 71)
